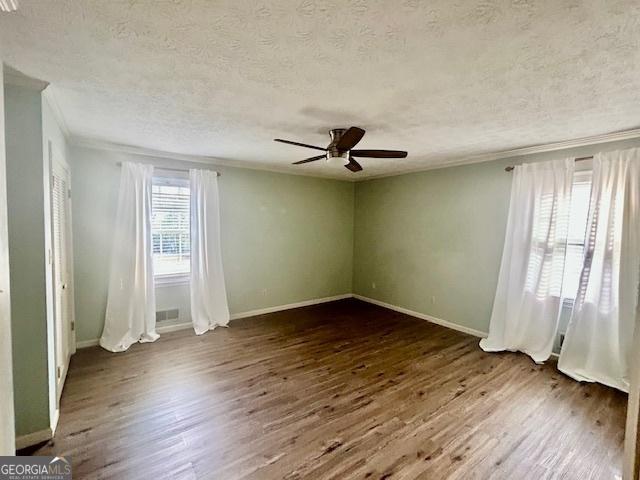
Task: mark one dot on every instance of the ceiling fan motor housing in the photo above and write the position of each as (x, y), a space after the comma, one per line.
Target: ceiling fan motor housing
(332, 150)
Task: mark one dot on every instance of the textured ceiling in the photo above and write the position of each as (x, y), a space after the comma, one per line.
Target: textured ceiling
(442, 79)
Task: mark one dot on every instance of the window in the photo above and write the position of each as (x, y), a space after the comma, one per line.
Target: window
(580, 199)
(560, 277)
(170, 227)
(547, 254)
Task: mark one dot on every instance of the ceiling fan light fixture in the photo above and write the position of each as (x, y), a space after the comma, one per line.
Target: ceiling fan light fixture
(337, 160)
(340, 152)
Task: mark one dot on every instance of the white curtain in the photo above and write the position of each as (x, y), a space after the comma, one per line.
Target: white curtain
(527, 304)
(208, 293)
(598, 342)
(131, 305)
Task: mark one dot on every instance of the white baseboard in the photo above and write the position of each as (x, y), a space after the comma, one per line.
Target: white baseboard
(54, 421)
(234, 316)
(87, 343)
(163, 329)
(24, 441)
(289, 306)
(422, 316)
(443, 323)
(316, 301)
(174, 327)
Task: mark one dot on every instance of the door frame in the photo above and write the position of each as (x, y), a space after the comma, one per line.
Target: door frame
(631, 459)
(58, 161)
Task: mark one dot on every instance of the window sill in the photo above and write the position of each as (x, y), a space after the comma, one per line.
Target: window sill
(171, 280)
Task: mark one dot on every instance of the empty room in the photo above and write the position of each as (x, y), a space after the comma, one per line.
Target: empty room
(190, 289)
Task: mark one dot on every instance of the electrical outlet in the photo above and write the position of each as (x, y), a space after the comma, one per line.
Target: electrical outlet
(433, 299)
(373, 285)
(264, 292)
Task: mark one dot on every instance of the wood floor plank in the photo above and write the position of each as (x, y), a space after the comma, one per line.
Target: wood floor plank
(335, 391)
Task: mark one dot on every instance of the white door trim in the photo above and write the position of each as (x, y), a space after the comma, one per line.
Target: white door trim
(631, 459)
(59, 166)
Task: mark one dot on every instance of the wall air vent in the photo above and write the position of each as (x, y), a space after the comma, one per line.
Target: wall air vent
(167, 315)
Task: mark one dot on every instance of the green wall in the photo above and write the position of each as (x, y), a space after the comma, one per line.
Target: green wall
(285, 238)
(25, 205)
(432, 241)
(7, 423)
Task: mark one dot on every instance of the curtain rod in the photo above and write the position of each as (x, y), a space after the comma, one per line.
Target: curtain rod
(172, 169)
(511, 167)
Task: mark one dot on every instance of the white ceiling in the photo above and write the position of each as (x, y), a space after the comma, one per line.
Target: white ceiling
(442, 79)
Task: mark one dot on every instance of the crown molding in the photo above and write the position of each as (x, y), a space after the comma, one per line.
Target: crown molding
(521, 152)
(87, 142)
(468, 160)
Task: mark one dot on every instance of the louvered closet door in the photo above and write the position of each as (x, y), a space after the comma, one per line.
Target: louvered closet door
(60, 194)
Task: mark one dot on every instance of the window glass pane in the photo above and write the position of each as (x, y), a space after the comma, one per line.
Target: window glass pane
(580, 197)
(170, 227)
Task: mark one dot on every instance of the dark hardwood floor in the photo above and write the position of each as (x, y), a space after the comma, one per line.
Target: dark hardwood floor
(341, 390)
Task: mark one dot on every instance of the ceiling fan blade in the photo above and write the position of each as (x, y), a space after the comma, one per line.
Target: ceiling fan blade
(311, 159)
(353, 165)
(379, 153)
(299, 144)
(350, 138)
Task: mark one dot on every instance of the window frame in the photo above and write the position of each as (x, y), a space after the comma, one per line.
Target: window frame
(583, 175)
(176, 179)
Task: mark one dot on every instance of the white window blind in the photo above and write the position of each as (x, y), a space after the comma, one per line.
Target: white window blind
(580, 199)
(559, 278)
(170, 226)
(546, 260)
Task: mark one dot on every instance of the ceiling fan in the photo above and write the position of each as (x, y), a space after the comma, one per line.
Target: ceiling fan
(340, 149)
